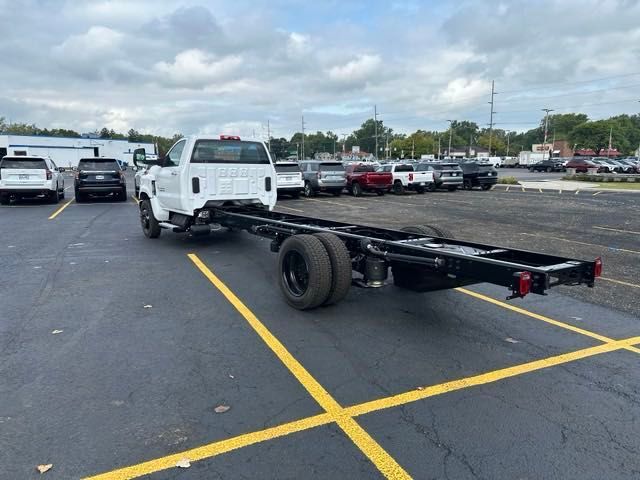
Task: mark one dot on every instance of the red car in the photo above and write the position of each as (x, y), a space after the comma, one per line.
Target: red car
(364, 178)
(581, 164)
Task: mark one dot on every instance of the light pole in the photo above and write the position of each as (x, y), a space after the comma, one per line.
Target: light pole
(508, 135)
(450, 135)
(546, 129)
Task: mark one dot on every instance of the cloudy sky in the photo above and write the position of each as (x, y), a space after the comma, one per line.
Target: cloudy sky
(216, 66)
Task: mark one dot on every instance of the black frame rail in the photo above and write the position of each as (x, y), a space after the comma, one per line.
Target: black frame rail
(455, 262)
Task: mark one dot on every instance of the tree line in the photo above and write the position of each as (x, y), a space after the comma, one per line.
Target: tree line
(576, 128)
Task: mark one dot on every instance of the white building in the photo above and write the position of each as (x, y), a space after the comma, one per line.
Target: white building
(67, 151)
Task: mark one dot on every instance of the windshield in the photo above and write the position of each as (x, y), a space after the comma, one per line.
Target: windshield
(229, 151)
(332, 166)
(98, 164)
(26, 163)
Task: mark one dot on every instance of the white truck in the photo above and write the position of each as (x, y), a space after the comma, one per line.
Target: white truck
(200, 173)
(406, 178)
(527, 158)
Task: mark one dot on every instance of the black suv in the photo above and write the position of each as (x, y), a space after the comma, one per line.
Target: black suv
(100, 177)
(481, 175)
(547, 166)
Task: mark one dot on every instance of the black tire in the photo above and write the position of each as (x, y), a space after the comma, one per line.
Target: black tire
(549, 169)
(452, 188)
(304, 272)
(54, 196)
(398, 188)
(295, 195)
(150, 226)
(62, 194)
(380, 192)
(308, 190)
(337, 193)
(532, 170)
(431, 187)
(123, 195)
(420, 190)
(340, 267)
(467, 185)
(429, 230)
(356, 189)
(4, 200)
(486, 187)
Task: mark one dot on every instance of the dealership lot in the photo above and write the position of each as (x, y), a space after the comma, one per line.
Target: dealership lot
(153, 335)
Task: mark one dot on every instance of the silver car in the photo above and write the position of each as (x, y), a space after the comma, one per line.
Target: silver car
(319, 176)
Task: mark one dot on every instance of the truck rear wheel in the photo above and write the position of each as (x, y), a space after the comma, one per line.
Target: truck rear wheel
(340, 267)
(305, 272)
(150, 226)
(398, 188)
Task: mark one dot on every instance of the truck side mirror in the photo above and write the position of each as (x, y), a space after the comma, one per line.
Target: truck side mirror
(139, 157)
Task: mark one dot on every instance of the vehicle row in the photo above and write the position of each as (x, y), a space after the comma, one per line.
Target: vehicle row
(604, 164)
(39, 177)
(310, 177)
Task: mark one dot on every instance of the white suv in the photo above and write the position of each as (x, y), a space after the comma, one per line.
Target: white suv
(30, 176)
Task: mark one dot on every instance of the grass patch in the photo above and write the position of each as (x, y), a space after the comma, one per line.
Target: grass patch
(508, 180)
(619, 185)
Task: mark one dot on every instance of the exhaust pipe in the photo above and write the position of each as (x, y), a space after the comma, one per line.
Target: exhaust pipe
(199, 230)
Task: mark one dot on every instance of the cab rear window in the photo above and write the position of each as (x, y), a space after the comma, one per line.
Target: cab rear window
(404, 168)
(24, 163)
(331, 166)
(98, 165)
(229, 151)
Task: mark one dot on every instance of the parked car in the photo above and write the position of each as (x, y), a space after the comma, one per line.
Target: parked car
(100, 177)
(30, 176)
(478, 175)
(632, 164)
(550, 165)
(362, 177)
(581, 164)
(406, 178)
(289, 179)
(445, 175)
(322, 176)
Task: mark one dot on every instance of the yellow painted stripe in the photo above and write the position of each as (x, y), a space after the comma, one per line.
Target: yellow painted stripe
(537, 316)
(597, 193)
(289, 208)
(581, 243)
(59, 211)
(507, 189)
(620, 282)
(378, 456)
(540, 190)
(214, 449)
(577, 192)
(543, 318)
(135, 199)
(490, 377)
(349, 205)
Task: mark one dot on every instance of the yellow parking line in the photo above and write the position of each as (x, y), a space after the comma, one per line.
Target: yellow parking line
(372, 450)
(523, 189)
(582, 243)
(634, 285)
(543, 318)
(577, 192)
(135, 199)
(489, 377)
(560, 192)
(616, 230)
(59, 211)
(540, 190)
(337, 203)
(240, 441)
(507, 189)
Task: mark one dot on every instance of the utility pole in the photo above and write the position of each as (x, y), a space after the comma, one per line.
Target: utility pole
(439, 154)
(302, 137)
(344, 143)
(609, 149)
(269, 136)
(375, 123)
(470, 143)
(546, 129)
(508, 137)
(450, 135)
(493, 92)
(413, 147)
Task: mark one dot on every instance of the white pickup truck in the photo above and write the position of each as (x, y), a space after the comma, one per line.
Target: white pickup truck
(406, 178)
(200, 173)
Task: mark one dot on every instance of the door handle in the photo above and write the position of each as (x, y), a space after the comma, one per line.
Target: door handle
(174, 173)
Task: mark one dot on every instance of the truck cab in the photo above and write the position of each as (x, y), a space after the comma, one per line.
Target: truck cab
(200, 173)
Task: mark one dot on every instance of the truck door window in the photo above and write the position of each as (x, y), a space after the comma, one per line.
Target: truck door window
(173, 157)
(229, 151)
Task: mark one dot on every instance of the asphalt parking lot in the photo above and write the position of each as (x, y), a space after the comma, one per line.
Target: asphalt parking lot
(152, 336)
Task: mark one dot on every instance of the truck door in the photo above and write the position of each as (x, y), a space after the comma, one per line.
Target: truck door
(168, 179)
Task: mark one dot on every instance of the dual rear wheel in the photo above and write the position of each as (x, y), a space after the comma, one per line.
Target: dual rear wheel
(314, 270)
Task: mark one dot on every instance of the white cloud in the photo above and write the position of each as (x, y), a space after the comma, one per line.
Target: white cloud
(196, 69)
(359, 70)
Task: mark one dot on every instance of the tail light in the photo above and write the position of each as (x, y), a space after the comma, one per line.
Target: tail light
(49, 174)
(524, 285)
(597, 267)
(411, 177)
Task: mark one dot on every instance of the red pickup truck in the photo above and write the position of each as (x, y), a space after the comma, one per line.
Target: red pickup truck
(364, 178)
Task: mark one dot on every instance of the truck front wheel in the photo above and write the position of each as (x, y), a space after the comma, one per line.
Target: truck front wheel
(150, 226)
(305, 272)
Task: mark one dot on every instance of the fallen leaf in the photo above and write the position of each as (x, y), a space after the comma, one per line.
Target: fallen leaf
(511, 340)
(231, 376)
(148, 306)
(420, 388)
(183, 463)
(44, 468)
(55, 332)
(221, 408)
